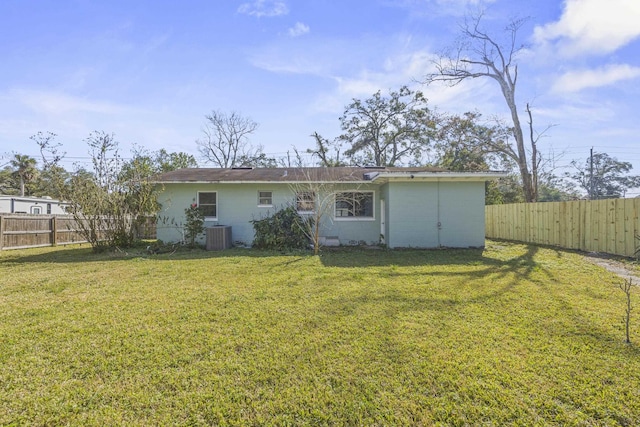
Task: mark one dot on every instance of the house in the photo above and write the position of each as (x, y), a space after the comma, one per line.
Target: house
(31, 205)
(397, 206)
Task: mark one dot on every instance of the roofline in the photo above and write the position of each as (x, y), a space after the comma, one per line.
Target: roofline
(28, 198)
(262, 182)
(369, 177)
(480, 176)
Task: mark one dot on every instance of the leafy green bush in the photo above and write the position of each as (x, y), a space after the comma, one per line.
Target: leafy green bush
(282, 230)
(194, 224)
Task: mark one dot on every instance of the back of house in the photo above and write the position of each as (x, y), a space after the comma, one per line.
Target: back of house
(395, 206)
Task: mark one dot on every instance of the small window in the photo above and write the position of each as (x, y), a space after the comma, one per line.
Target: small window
(49, 208)
(36, 210)
(354, 204)
(265, 198)
(305, 201)
(207, 202)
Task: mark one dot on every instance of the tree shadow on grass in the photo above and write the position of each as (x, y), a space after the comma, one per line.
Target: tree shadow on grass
(334, 258)
(84, 253)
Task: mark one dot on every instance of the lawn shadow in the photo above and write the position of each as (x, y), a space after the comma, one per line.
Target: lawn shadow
(84, 253)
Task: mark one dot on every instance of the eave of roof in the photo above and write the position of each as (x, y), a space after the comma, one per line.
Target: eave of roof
(436, 176)
(325, 175)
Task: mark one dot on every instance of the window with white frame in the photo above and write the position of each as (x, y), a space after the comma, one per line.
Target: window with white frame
(354, 205)
(208, 204)
(36, 210)
(305, 201)
(265, 198)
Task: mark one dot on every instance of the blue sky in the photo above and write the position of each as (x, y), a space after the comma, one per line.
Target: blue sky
(149, 71)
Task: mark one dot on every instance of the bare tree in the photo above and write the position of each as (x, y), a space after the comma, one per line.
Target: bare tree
(226, 140)
(316, 191)
(626, 287)
(480, 55)
(292, 160)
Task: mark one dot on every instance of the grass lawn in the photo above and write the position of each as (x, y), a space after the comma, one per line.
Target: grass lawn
(512, 335)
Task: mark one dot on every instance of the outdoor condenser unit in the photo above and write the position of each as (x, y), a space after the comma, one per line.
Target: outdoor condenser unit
(218, 237)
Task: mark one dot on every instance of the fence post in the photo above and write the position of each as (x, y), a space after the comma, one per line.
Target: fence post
(1, 231)
(54, 231)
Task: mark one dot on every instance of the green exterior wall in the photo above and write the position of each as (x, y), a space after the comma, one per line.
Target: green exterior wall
(432, 214)
(237, 205)
(417, 214)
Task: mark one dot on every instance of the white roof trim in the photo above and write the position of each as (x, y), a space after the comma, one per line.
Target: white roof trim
(369, 177)
(435, 176)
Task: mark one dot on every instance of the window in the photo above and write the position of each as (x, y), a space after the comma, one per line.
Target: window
(354, 204)
(265, 198)
(49, 208)
(305, 201)
(207, 202)
(36, 210)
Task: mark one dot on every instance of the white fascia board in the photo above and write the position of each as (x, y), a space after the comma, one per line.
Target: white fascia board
(262, 182)
(437, 176)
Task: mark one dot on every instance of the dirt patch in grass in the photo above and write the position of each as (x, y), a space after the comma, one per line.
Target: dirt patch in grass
(624, 268)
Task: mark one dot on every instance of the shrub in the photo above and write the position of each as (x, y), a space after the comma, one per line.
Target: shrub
(281, 230)
(194, 224)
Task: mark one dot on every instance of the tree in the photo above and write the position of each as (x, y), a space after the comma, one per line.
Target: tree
(604, 177)
(327, 152)
(49, 182)
(226, 141)
(54, 179)
(626, 287)
(25, 170)
(107, 200)
(166, 162)
(465, 143)
(316, 190)
(8, 182)
(480, 55)
(387, 131)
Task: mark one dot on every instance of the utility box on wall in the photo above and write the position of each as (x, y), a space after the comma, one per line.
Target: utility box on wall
(218, 237)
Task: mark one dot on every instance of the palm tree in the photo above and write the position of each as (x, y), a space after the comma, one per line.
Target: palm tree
(25, 169)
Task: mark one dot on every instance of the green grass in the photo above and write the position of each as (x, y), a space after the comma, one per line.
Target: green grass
(512, 335)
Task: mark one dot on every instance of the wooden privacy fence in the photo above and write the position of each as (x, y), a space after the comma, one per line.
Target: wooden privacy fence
(609, 226)
(20, 231)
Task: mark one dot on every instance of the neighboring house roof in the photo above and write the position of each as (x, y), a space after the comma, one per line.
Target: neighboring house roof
(44, 199)
(319, 174)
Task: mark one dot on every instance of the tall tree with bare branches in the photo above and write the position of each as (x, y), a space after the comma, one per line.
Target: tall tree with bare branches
(478, 54)
(225, 141)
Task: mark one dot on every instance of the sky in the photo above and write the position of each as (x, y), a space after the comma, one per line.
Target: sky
(149, 71)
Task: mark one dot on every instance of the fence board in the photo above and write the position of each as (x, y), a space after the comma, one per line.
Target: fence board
(609, 226)
(19, 231)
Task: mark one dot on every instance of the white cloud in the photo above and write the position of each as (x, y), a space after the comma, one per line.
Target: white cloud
(298, 30)
(592, 26)
(54, 103)
(407, 69)
(575, 81)
(260, 8)
(439, 7)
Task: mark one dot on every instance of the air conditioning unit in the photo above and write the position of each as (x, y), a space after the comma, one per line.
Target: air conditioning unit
(218, 237)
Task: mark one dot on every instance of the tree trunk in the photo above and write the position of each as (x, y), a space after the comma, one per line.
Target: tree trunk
(509, 95)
